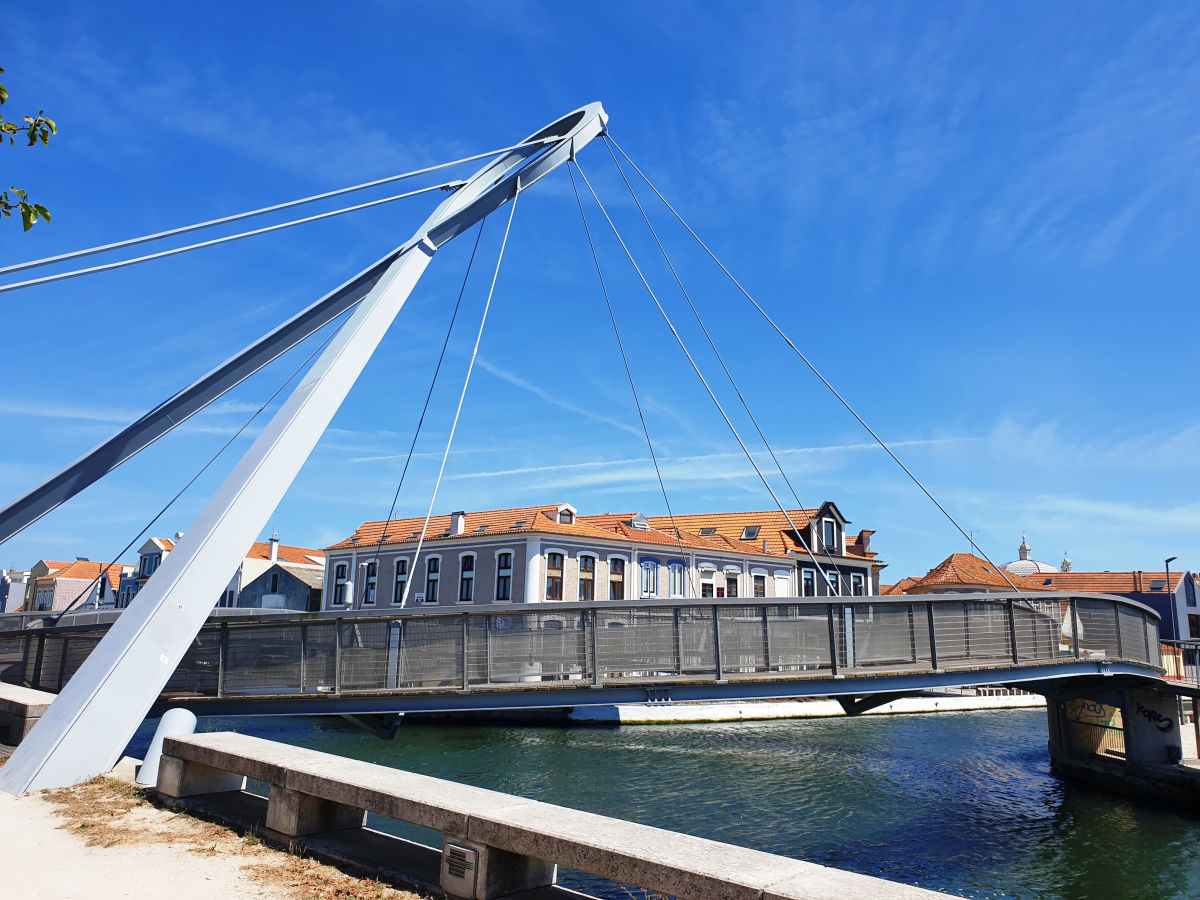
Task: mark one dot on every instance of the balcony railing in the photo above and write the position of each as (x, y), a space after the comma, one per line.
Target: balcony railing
(519, 647)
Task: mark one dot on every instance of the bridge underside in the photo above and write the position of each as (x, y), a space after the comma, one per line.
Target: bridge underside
(858, 693)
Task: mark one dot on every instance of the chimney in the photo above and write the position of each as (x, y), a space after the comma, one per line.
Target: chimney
(458, 522)
(765, 546)
(274, 546)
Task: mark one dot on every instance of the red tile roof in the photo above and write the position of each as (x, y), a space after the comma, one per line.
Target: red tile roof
(86, 570)
(968, 569)
(295, 555)
(544, 519)
(1102, 582)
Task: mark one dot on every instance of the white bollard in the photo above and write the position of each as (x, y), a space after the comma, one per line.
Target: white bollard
(173, 723)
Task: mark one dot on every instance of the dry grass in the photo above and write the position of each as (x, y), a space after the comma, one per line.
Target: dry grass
(106, 812)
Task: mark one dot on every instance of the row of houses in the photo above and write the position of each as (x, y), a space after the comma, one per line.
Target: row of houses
(1173, 595)
(531, 554)
(272, 575)
(552, 553)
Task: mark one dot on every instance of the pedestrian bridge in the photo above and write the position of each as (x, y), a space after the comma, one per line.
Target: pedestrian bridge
(863, 650)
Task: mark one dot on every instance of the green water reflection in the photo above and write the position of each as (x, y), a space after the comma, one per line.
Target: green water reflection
(959, 802)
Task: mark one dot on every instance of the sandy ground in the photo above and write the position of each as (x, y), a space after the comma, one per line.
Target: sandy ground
(103, 840)
(41, 859)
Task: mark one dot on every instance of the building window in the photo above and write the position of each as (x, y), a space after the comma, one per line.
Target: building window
(433, 574)
(587, 578)
(274, 582)
(565, 517)
(856, 585)
(706, 583)
(830, 535)
(466, 582)
(339, 585)
(808, 583)
(103, 584)
(504, 578)
(554, 576)
(372, 585)
(616, 579)
(649, 578)
(1194, 627)
(45, 598)
(401, 580)
(675, 574)
(1189, 591)
(835, 588)
(731, 585)
(750, 532)
(760, 585)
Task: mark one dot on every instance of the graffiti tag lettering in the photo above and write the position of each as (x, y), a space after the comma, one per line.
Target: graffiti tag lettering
(1157, 719)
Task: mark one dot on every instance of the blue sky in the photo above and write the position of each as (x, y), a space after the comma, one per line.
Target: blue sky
(975, 219)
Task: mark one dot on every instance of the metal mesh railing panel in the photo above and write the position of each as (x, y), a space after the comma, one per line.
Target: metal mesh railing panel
(430, 653)
(78, 650)
(888, 635)
(198, 670)
(13, 652)
(365, 656)
(1132, 627)
(972, 633)
(744, 639)
(46, 676)
(1039, 629)
(263, 660)
(799, 637)
(640, 642)
(320, 655)
(527, 648)
(1098, 629)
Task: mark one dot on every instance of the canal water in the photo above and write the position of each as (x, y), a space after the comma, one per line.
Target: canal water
(959, 802)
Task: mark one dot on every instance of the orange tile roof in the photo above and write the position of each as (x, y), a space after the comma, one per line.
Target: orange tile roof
(86, 570)
(540, 519)
(900, 587)
(969, 569)
(773, 527)
(295, 555)
(1102, 582)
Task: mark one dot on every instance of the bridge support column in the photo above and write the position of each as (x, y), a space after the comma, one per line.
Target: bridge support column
(1088, 736)
(181, 778)
(475, 871)
(295, 814)
(1152, 729)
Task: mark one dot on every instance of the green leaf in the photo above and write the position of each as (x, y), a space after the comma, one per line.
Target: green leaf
(45, 213)
(3, 91)
(28, 216)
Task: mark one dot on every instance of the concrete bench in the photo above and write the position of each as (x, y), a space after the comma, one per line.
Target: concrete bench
(494, 844)
(20, 709)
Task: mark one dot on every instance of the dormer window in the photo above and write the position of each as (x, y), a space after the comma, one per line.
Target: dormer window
(830, 534)
(565, 517)
(750, 532)
(639, 522)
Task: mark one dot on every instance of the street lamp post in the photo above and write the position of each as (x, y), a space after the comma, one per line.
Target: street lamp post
(1174, 612)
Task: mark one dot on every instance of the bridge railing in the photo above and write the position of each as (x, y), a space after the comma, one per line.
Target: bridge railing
(1181, 660)
(566, 644)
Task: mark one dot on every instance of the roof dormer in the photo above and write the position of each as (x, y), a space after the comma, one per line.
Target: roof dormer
(566, 514)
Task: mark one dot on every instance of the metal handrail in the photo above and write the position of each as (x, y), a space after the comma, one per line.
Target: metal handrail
(517, 646)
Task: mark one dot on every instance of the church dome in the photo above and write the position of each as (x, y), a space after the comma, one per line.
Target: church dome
(1026, 565)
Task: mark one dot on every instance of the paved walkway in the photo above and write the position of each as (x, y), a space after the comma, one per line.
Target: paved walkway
(42, 860)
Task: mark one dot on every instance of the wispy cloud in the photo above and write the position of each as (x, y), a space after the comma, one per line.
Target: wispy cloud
(549, 398)
(53, 410)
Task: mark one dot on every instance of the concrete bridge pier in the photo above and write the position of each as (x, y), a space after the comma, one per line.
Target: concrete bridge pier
(1126, 740)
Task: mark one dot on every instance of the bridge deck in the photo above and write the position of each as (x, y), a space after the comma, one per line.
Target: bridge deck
(597, 653)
